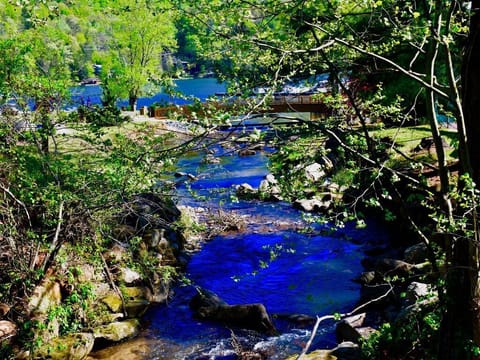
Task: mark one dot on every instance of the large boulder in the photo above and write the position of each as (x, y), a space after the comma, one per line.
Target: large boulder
(71, 347)
(247, 316)
(209, 306)
(205, 298)
(314, 172)
(352, 329)
(416, 254)
(346, 330)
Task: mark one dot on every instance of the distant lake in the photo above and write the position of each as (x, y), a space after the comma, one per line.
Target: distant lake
(199, 88)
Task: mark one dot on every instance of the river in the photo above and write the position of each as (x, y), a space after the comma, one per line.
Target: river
(274, 261)
(199, 88)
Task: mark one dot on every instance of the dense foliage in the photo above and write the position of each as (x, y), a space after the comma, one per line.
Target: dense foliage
(388, 63)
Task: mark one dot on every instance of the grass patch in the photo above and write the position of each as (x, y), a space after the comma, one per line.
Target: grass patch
(78, 138)
(407, 139)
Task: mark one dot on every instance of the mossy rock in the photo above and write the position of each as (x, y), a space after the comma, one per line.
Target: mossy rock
(135, 292)
(113, 301)
(71, 347)
(136, 308)
(315, 355)
(119, 330)
(136, 302)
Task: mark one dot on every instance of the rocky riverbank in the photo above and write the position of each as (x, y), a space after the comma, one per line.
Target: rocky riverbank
(87, 301)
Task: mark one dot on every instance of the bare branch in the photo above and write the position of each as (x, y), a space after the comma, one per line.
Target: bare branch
(328, 317)
(314, 332)
(21, 203)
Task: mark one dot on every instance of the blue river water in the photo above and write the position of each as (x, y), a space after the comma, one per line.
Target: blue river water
(199, 88)
(274, 261)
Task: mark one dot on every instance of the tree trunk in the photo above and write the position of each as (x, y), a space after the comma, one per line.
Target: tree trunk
(432, 53)
(45, 132)
(471, 109)
(460, 327)
(456, 328)
(132, 101)
(471, 91)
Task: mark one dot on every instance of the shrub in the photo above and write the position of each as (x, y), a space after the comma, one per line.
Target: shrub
(101, 116)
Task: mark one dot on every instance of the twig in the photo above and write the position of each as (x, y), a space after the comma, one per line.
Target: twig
(112, 284)
(381, 58)
(21, 203)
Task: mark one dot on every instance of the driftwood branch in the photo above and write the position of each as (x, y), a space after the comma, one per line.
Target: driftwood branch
(314, 332)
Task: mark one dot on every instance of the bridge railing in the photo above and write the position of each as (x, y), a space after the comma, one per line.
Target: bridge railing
(284, 102)
(296, 99)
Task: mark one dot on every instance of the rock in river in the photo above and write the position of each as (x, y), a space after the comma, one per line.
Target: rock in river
(207, 305)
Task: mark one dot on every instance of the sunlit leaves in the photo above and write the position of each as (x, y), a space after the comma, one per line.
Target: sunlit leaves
(133, 54)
